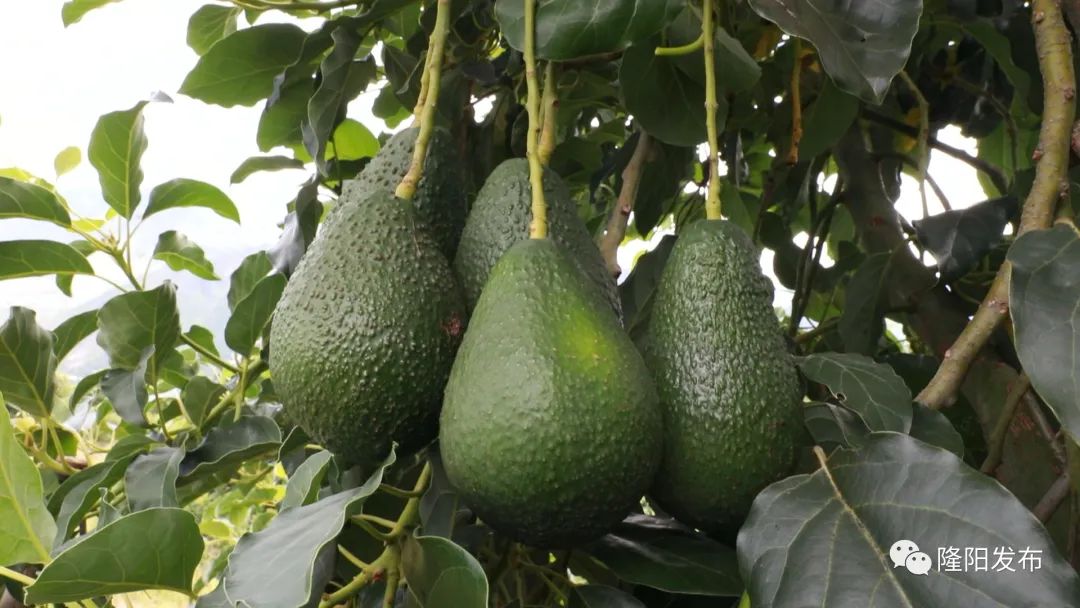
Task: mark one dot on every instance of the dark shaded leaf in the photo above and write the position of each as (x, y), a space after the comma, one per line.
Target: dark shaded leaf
(959, 239)
(824, 539)
(117, 144)
(27, 363)
(20, 199)
(180, 253)
(871, 390)
(131, 323)
(203, 337)
(85, 385)
(32, 258)
(131, 445)
(601, 596)
(636, 292)
(1045, 291)
(831, 425)
(250, 272)
(73, 331)
(150, 480)
(227, 447)
(126, 390)
(209, 24)
(253, 313)
(862, 45)
(263, 163)
(662, 180)
(162, 548)
(441, 573)
(827, 119)
(26, 525)
(199, 395)
(326, 103)
(75, 497)
(863, 318)
(440, 505)
(240, 68)
(184, 192)
(932, 427)
(300, 227)
(664, 554)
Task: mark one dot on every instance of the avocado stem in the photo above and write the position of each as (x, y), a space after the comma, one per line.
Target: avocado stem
(538, 227)
(433, 68)
(550, 100)
(708, 29)
(685, 49)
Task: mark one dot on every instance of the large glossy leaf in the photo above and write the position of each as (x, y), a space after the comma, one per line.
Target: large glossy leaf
(74, 498)
(27, 528)
(602, 596)
(182, 192)
(209, 24)
(117, 144)
(150, 480)
(862, 45)
(825, 539)
(303, 486)
(870, 389)
(180, 253)
(1045, 291)
(959, 239)
(566, 29)
(253, 313)
(32, 258)
(73, 331)
(160, 550)
(441, 573)
(240, 68)
(663, 554)
(290, 547)
(131, 323)
(20, 199)
(27, 363)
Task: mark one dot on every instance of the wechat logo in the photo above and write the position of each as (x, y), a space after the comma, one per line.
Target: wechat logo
(906, 553)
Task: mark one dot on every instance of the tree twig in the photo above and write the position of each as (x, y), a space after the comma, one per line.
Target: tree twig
(538, 226)
(996, 441)
(550, 101)
(712, 200)
(620, 214)
(1054, 45)
(1049, 503)
(796, 105)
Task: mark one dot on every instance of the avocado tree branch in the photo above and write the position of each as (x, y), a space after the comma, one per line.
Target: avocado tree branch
(712, 200)
(1049, 503)
(18, 577)
(685, 49)
(550, 112)
(1054, 45)
(407, 188)
(796, 105)
(996, 442)
(620, 214)
(538, 227)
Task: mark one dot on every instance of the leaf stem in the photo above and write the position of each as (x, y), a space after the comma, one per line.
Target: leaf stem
(18, 577)
(550, 102)
(375, 519)
(996, 441)
(395, 491)
(356, 561)
(208, 354)
(712, 200)
(685, 49)
(433, 68)
(620, 214)
(538, 227)
(389, 559)
(796, 105)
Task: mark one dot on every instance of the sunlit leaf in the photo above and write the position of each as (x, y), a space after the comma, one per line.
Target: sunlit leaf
(74, 10)
(27, 363)
(19, 199)
(20, 259)
(303, 486)
(210, 23)
(117, 144)
(73, 331)
(66, 160)
(27, 528)
(131, 323)
(180, 253)
(184, 192)
(263, 163)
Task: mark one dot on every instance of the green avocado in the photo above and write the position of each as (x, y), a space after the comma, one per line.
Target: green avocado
(728, 387)
(550, 428)
(365, 332)
(440, 200)
(501, 216)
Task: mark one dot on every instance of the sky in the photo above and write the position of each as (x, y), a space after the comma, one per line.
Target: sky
(58, 81)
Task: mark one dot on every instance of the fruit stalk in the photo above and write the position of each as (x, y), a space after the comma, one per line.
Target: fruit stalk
(538, 227)
(712, 200)
(550, 102)
(407, 188)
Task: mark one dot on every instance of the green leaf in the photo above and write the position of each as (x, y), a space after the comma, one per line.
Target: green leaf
(665, 555)
(1045, 290)
(117, 144)
(636, 292)
(203, 337)
(27, 363)
(20, 259)
(131, 445)
(209, 24)
(831, 425)
(183, 192)
(25, 200)
(824, 539)
(75, 497)
(303, 486)
(26, 526)
(441, 573)
(150, 480)
(263, 163)
(199, 395)
(871, 390)
(180, 253)
(253, 313)
(826, 121)
(126, 390)
(566, 29)
(292, 546)
(84, 386)
(131, 323)
(324, 107)
(665, 173)
(602, 596)
(73, 331)
(161, 550)
(931, 426)
(74, 10)
(227, 447)
(865, 299)
(66, 160)
(240, 68)
(960, 239)
(440, 505)
(862, 45)
(251, 271)
(353, 141)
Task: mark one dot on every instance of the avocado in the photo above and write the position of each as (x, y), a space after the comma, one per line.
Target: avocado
(501, 216)
(728, 387)
(441, 201)
(365, 332)
(550, 429)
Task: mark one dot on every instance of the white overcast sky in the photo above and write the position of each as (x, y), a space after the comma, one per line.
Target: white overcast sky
(58, 81)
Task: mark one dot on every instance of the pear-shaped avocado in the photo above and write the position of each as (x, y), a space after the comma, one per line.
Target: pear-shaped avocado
(365, 333)
(727, 385)
(500, 217)
(550, 428)
(440, 200)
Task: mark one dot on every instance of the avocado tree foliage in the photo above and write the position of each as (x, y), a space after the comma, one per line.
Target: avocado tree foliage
(954, 426)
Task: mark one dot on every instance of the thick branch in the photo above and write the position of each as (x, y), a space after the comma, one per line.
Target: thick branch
(712, 199)
(620, 215)
(538, 227)
(1053, 498)
(1054, 45)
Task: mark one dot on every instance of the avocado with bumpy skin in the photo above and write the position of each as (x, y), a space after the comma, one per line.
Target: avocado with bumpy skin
(728, 387)
(501, 216)
(366, 330)
(440, 200)
(550, 429)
